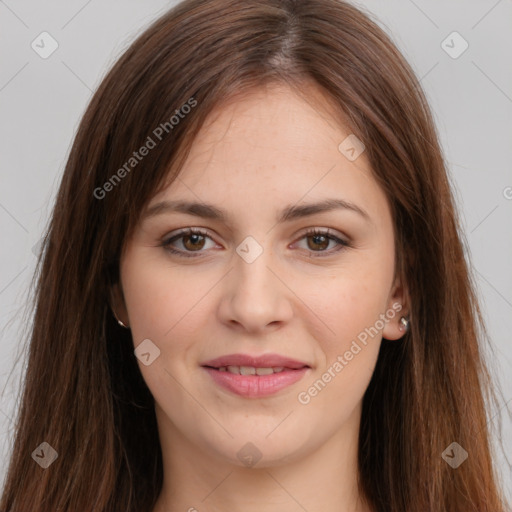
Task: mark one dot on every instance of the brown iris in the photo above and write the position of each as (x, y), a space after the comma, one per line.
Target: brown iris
(194, 239)
(319, 240)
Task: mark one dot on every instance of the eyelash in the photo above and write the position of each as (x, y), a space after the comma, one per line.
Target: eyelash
(166, 244)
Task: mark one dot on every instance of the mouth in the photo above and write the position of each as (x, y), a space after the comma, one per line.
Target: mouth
(251, 370)
(255, 377)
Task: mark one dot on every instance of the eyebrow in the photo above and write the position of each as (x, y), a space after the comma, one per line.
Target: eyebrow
(291, 212)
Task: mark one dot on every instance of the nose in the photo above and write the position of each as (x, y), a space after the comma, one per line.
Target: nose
(256, 297)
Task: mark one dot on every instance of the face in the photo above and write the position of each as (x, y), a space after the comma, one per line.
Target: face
(299, 296)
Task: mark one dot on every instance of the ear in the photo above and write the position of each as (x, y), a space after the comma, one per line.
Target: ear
(117, 304)
(398, 306)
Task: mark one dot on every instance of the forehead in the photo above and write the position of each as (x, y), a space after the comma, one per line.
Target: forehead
(270, 121)
(271, 146)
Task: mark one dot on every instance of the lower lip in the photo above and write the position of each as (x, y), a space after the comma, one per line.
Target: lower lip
(256, 386)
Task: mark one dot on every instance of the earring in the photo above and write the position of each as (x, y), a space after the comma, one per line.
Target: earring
(119, 321)
(404, 324)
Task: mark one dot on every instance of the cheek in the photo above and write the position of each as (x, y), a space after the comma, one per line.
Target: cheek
(349, 350)
(354, 333)
(350, 301)
(163, 305)
(158, 296)
(350, 307)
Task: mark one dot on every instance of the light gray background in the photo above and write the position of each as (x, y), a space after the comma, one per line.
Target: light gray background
(42, 100)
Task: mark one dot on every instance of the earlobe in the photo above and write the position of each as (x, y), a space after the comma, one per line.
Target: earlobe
(396, 327)
(397, 315)
(117, 305)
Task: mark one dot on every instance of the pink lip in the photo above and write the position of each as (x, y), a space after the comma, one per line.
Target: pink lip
(256, 386)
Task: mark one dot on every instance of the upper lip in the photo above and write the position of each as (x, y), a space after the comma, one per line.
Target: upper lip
(262, 361)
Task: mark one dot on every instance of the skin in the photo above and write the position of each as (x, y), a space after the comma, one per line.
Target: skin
(300, 298)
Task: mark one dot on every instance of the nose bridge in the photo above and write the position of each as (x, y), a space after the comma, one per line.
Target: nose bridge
(252, 275)
(255, 297)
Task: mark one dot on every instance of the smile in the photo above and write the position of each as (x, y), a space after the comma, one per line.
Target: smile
(255, 376)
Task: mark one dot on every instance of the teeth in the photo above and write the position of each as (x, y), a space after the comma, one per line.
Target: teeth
(264, 371)
(250, 370)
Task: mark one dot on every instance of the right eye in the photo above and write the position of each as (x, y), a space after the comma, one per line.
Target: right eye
(192, 240)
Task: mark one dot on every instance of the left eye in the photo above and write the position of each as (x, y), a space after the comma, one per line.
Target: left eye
(193, 240)
(321, 239)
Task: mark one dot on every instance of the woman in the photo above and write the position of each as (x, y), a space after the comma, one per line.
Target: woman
(306, 355)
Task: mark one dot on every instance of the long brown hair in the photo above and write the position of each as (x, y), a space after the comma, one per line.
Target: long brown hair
(84, 394)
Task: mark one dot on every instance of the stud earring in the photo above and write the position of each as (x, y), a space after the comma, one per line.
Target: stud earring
(122, 325)
(119, 321)
(403, 325)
